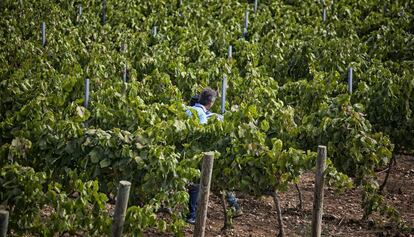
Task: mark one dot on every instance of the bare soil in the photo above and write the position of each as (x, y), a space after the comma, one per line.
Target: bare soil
(342, 211)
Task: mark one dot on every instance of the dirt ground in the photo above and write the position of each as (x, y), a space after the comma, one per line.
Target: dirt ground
(342, 211)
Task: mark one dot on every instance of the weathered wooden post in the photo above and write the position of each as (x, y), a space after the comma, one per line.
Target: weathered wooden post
(324, 15)
(318, 195)
(120, 208)
(223, 94)
(86, 99)
(206, 172)
(350, 74)
(4, 222)
(43, 34)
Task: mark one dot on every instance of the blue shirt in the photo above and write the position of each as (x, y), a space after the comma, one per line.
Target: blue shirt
(201, 111)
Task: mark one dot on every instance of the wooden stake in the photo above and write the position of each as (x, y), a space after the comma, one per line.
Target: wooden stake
(230, 52)
(206, 171)
(4, 222)
(318, 195)
(120, 208)
(324, 14)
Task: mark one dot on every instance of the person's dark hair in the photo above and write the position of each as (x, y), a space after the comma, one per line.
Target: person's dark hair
(194, 100)
(207, 96)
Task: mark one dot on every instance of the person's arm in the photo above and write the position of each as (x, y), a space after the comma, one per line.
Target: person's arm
(218, 116)
(189, 113)
(202, 117)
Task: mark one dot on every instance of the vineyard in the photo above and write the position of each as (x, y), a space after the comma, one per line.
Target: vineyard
(95, 92)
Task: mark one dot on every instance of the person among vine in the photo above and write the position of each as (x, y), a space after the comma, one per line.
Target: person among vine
(202, 104)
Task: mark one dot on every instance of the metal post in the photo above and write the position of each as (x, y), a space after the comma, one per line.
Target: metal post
(103, 12)
(324, 14)
(21, 8)
(86, 101)
(124, 77)
(43, 34)
(255, 6)
(78, 17)
(230, 52)
(246, 19)
(223, 94)
(154, 31)
(350, 72)
(120, 208)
